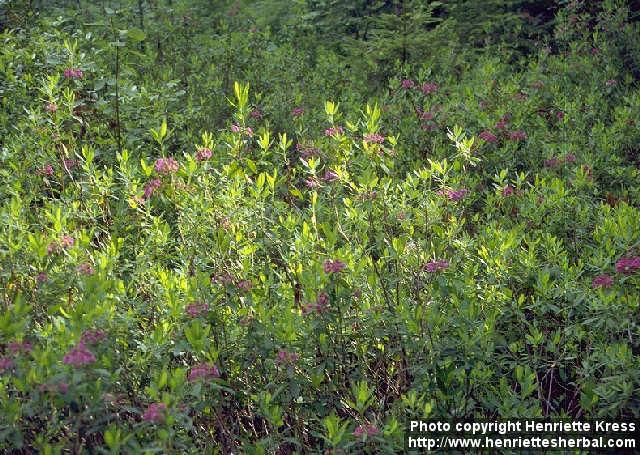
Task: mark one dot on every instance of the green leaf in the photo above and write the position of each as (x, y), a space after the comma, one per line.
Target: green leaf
(136, 35)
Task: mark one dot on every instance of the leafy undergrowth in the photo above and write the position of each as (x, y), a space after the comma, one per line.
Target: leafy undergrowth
(466, 244)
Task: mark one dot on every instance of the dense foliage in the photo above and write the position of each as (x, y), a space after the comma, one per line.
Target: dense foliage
(285, 227)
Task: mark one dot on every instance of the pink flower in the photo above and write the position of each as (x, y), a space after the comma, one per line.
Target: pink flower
(244, 285)
(51, 107)
(333, 131)
(311, 183)
(17, 347)
(72, 73)
(297, 111)
(52, 248)
(367, 430)
(374, 138)
(256, 113)
(507, 191)
(203, 154)
(151, 187)
(166, 166)
(560, 115)
(454, 195)
(284, 357)
(69, 163)
(155, 413)
(333, 266)
(235, 128)
(501, 125)
(429, 87)
(319, 306)
(249, 131)
(611, 82)
(330, 176)
(427, 115)
(407, 84)
(552, 162)
(436, 266)
(79, 356)
(5, 364)
(85, 269)
(47, 170)
(224, 279)
(595, 51)
(204, 371)
(195, 309)
(487, 137)
(92, 336)
(518, 135)
(628, 266)
(602, 281)
(41, 277)
(67, 241)
(570, 158)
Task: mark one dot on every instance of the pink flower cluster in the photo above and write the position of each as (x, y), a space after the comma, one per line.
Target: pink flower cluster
(487, 136)
(507, 191)
(47, 170)
(453, 195)
(368, 430)
(437, 265)
(64, 243)
(602, 281)
(333, 266)
(206, 371)
(628, 266)
(429, 87)
(256, 113)
(5, 364)
(311, 183)
(307, 151)
(238, 129)
(319, 306)
(374, 138)
(73, 73)
(330, 176)
(79, 356)
(407, 84)
(333, 131)
(196, 309)
(166, 166)
(17, 347)
(284, 357)
(557, 161)
(85, 269)
(150, 188)
(92, 336)
(244, 285)
(224, 279)
(155, 413)
(297, 112)
(518, 135)
(203, 154)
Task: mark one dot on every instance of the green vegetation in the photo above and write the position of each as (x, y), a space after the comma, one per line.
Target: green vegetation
(281, 227)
